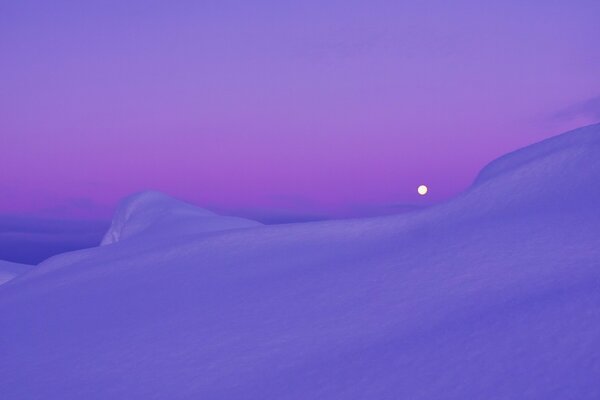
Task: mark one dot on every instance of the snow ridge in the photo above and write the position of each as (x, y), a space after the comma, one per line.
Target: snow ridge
(560, 174)
(152, 212)
(10, 270)
(582, 139)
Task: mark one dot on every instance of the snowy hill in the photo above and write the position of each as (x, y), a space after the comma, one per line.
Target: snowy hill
(559, 172)
(582, 140)
(10, 270)
(493, 295)
(153, 213)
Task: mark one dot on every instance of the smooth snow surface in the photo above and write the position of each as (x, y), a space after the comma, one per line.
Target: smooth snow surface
(493, 295)
(10, 270)
(153, 213)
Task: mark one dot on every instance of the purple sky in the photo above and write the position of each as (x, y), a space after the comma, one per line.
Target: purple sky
(312, 107)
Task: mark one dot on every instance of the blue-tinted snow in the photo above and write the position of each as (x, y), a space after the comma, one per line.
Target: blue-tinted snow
(10, 270)
(493, 295)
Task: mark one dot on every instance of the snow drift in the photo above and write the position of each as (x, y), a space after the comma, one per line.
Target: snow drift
(493, 295)
(561, 172)
(153, 213)
(10, 270)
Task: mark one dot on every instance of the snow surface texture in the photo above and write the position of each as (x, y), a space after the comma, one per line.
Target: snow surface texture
(493, 295)
(10, 270)
(153, 213)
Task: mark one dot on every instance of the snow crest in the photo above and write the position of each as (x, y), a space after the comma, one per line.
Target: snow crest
(578, 141)
(558, 175)
(152, 212)
(10, 270)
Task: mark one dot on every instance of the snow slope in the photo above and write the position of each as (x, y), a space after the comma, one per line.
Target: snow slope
(10, 270)
(493, 295)
(153, 213)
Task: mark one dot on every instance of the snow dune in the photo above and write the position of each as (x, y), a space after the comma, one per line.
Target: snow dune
(493, 295)
(10, 270)
(153, 213)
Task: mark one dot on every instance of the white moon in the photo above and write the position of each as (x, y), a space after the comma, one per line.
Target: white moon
(422, 190)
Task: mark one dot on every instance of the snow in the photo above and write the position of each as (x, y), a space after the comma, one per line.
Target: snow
(153, 213)
(492, 295)
(582, 139)
(10, 270)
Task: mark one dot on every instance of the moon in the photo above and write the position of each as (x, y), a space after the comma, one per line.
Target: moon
(422, 190)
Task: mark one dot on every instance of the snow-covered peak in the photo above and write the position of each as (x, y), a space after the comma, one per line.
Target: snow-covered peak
(152, 212)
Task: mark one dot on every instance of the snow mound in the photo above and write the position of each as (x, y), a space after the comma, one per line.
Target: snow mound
(10, 270)
(576, 141)
(154, 213)
(493, 295)
(560, 172)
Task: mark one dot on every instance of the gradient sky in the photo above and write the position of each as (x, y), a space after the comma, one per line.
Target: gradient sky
(310, 107)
